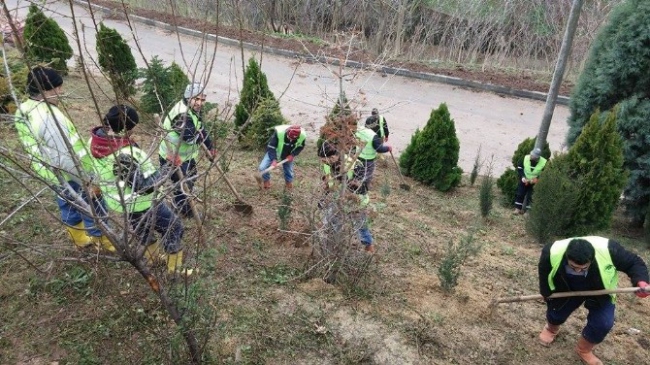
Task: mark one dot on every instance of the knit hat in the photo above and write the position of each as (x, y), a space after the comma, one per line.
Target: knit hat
(293, 132)
(121, 117)
(535, 153)
(193, 90)
(375, 111)
(42, 78)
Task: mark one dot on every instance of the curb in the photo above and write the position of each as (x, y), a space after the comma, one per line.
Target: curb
(455, 81)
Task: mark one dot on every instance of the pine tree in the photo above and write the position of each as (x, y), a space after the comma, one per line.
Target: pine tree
(162, 87)
(265, 116)
(45, 41)
(116, 60)
(254, 90)
(435, 155)
(617, 71)
(596, 163)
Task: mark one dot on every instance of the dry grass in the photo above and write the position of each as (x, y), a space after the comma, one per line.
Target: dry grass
(268, 310)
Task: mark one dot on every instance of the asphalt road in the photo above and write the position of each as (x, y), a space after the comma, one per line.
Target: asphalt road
(493, 123)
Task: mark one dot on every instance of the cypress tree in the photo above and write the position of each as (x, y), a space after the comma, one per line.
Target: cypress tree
(255, 89)
(435, 155)
(596, 163)
(617, 71)
(162, 86)
(407, 158)
(45, 41)
(116, 60)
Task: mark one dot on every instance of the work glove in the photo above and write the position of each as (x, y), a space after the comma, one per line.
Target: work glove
(274, 163)
(290, 158)
(95, 191)
(175, 160)
(641, 293)
(523, 180)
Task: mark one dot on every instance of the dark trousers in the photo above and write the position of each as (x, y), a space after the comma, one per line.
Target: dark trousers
(520, 195)
(600, 319)
(181, 200)
(161, 219)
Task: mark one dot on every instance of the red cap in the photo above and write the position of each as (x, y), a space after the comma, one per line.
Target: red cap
(293, 132)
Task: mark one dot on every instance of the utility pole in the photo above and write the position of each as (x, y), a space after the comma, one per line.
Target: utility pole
(565, 50)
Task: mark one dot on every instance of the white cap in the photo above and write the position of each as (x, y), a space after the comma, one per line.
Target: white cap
(193, 90)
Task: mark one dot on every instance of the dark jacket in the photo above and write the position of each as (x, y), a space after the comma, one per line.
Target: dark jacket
(624, 261)
(184, 126)
(372, 122)
(286, 149)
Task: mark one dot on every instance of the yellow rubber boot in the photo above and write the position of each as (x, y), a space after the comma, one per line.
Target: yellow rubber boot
(175, 264)
(104, 243)
(79, 236)
(584, 349)
(154, 255)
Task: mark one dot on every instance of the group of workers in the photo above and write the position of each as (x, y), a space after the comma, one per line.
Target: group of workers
(114, 174)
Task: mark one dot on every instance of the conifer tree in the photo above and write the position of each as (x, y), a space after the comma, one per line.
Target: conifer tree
(407, 158)
(435, 155)
(255, 89)
(162, 87)
(617, 72)
(45, 41)
(116, 60)
(596, 160)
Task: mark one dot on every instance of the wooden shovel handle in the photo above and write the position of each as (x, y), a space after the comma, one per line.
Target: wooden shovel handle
(272, 167)
(567, 294)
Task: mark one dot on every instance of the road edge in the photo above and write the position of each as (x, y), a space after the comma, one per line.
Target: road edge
(449, 80)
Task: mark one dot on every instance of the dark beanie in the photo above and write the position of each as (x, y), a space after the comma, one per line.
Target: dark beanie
(42, 78)
(121, 117)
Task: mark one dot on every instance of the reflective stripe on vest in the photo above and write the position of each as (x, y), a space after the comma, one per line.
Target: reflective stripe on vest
(112, 187)
(281, 131)
(603, 259)
(349, 165)
(173, 141)
(30, 121)
(381, 126)
(366, 135)
(529, 171)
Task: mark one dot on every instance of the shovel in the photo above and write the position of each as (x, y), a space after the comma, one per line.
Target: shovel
(403, 185)
(524, 298)
(240, 205)
(258, 175)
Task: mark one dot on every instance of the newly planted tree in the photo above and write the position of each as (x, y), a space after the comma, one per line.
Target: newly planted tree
(45, 41)
(435, 154)
(116, 60)
(162, 86)
(254, 90)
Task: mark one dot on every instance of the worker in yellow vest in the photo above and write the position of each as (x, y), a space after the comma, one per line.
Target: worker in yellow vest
(182, 143)
(372, 145)
(130, 181)
(586, 264)
(286, 142)
(46, 133)
(528, 170)
(378, 124)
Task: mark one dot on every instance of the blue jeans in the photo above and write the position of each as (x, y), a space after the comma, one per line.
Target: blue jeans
(181, 199)
(71, 215)
(161, 219)
(287, 167)
(600, 319)
(361, 225)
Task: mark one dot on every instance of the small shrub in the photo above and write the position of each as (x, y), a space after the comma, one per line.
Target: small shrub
(435, 155)
(486, 193)
(45, 40)
(455, 256)
(255, 89)
(556, 197)
(116, 60)
(476, 168)
(407, 158)
(19, 71)
(162, 86)
(284, 210)
(266, 116)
